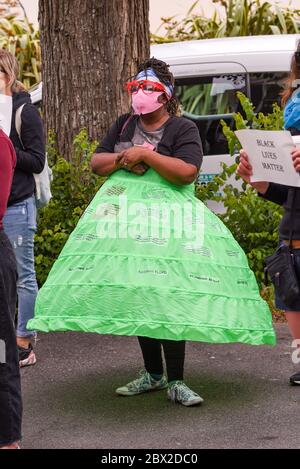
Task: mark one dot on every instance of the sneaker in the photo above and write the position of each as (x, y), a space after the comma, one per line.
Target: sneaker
(182, 394)
(144, 383)
(295, 379)
(26, 356)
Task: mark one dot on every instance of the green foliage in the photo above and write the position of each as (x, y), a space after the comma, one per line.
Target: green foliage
(23, 41)
(73, 187)
(252, 220)
(237, 18)
(272, 121)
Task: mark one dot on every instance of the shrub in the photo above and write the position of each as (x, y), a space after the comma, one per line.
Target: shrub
(252, 220)
(73, 187)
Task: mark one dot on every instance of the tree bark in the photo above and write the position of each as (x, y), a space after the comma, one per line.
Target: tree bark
(89, 49)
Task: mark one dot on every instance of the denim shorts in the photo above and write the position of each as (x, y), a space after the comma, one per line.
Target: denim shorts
(278, 302)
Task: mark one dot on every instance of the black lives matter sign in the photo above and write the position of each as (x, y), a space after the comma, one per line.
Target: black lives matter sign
(269, 154)
(269, 159)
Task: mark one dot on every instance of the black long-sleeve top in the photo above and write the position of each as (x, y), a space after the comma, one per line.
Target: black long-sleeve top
(30, 152)
(180, 139)
(283, 195)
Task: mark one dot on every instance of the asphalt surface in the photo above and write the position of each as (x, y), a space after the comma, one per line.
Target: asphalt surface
(69, 399)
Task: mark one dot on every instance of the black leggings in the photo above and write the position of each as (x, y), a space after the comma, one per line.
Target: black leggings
(174, 355)
(10, 386)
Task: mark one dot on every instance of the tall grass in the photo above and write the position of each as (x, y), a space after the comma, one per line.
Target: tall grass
(22, 40)
(237, 18)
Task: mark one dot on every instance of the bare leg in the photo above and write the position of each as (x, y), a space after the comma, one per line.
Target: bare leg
(293, 319)
(23, 342)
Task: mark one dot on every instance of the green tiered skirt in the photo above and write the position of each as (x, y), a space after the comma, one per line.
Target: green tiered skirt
(132, 268)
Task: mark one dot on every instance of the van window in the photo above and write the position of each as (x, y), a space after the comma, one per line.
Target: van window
(265, 90)
(207, 100)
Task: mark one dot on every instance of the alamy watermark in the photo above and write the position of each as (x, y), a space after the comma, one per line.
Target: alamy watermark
(296, 352)
(158, 220)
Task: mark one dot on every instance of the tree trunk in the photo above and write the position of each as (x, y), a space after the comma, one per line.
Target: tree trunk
(89, 49)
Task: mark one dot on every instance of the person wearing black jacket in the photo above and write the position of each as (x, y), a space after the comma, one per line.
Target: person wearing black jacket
(20, 218)
(288, 197)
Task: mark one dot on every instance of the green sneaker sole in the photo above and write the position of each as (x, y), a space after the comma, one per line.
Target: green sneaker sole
(124, 392)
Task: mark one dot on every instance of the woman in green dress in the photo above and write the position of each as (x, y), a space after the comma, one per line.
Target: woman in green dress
(147, 258)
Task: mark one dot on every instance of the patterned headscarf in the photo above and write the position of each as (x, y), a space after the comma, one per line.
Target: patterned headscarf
(149, 74)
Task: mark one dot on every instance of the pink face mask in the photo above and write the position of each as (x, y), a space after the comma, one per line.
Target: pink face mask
(145, 103)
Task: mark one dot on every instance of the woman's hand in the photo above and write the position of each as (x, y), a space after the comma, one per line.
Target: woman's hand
(123, 163)
(131, 157)
(296, 158)
(139, 169)
(244, 169)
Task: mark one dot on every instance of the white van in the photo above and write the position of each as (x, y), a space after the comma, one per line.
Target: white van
(208, 74)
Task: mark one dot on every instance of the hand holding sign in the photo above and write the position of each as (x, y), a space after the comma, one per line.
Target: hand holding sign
(244, 169)
(296, 159)
(269, 155)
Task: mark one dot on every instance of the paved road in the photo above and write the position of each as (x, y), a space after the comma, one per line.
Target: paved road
(69, 399)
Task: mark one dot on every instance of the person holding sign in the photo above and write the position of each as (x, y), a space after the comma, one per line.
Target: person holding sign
(285, 195)
(19, 222)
